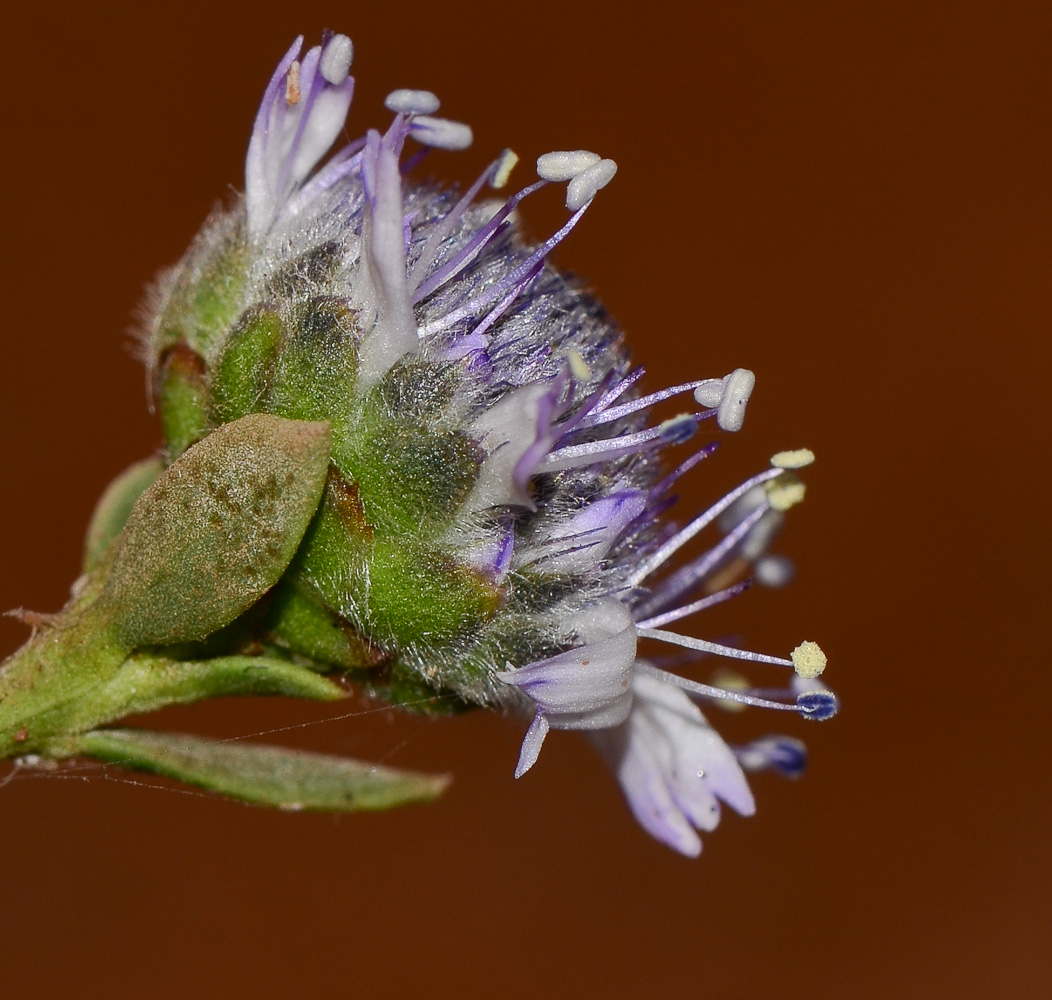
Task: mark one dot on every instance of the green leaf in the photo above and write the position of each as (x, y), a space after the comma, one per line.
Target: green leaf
(216, 530)
(264, 775)
(114, 506)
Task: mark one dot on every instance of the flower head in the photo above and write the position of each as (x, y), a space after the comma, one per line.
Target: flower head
(492, 528)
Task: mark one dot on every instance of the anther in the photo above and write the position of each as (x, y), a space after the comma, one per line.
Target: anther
(502, 168)
(678, 429)
(441, 133)
(793, 459)
(817, 705)
(336, 59)
(578, 368)
(582, 189)
(773, 571)
(808, 660)
(729, 395)
(784, 492)
(292, 84)
(784, 754)
(565, 165)
(411, 102)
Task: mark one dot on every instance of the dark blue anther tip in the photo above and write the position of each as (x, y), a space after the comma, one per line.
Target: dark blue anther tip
(817, 705)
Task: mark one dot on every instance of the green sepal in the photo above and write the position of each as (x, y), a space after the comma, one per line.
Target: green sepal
(298, 622)
(317, 366)
(216, 530)
(239, 380)
(183, 398)
(420, 594)
(264, 775)
(114, 506)
(205, 298)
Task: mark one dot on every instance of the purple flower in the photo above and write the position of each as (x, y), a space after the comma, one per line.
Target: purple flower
(495, 527)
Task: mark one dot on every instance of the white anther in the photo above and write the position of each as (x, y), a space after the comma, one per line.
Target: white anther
(731, 394)
(793, 459)
(583, 187)
(773, 571)
(736, 391)
(502, 171)
(808, 660)
(784, 492)
(441, 133)
(564, 165)
(710, 392)
(336, 59)
(411, 102)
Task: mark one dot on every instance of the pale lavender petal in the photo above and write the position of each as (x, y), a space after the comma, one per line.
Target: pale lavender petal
(382, 289)
(531, 744)
(579, 543)
(516, 433)
(302, 114)
(590, 686)
(642, 778)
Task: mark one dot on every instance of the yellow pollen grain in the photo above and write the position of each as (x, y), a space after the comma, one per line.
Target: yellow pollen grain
(508, 159)
(578, 367)
(793, 459)
(784, 492)
(808, 660)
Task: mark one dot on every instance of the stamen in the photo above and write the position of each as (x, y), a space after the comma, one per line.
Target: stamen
(441, 133)
(441, 231)
(336, 59)
(701, 605)
(685, 578)
(616, 412)
(683, 469)
(502, 306)
(708, 691)
(474, 306)
(815, 705)
(704, 646)
(673, 431)
(411, 102)
(452, 267)
(677, 541)
(619, 390)
(565, 165)
(585, 185)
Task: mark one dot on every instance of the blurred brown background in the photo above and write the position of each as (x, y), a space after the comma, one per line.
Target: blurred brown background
(850, 198)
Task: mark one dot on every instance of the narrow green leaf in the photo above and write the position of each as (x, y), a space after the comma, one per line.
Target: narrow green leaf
(216, 530)
(114, 506)
(264, 775)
